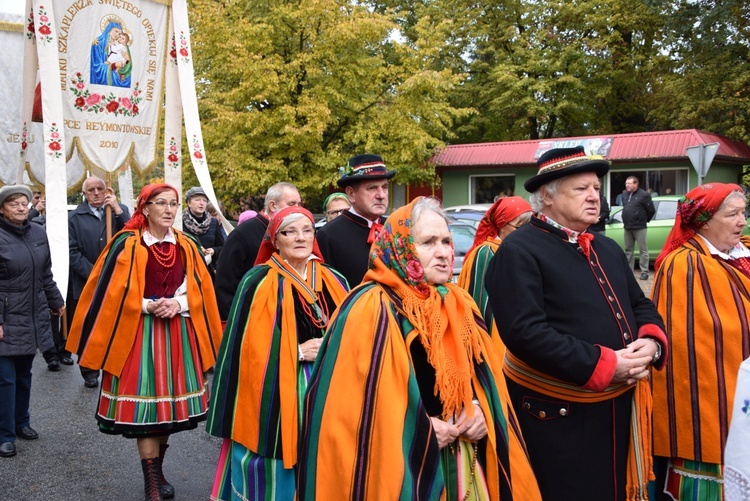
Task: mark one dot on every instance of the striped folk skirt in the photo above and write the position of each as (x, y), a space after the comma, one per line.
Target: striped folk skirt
(162, 389)
(694, 480)
(242, 475)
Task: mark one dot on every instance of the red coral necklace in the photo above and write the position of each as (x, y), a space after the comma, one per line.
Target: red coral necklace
(165, 259)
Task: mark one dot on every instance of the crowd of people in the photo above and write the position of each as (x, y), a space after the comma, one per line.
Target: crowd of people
(348, 365)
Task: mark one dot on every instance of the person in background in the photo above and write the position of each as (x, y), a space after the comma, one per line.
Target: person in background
(600, 226)
(280, 313)
(505, 216)
(37, 205)
(335, 204)
(204, 227)
(148, 318)
(701, 290)
(407, 400)
(345, 241)
(27, 294)
(638, 209)
(241, 246)
(580, 336)
(245, 215)
(87, 237)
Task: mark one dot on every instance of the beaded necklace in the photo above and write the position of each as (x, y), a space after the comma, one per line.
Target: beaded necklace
(317, 312)
(165, 259)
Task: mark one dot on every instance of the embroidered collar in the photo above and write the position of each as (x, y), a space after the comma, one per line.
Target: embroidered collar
(572, 235)
(736, 252)
(150, 240)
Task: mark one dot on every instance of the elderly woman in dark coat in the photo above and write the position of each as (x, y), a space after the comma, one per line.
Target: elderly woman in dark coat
(27, 293)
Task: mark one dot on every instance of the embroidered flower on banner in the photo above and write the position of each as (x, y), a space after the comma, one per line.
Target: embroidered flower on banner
(173, 51)
(30, 31)
(44, 30)
(173, 157)
(85, 100)
(197, 153)
(55, 142)
(24, 138)
(183, 50)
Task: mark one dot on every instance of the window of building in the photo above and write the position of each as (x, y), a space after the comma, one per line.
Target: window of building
(484, 189)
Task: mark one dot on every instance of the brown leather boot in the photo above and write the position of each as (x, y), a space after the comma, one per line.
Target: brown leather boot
(165, 488)
(151, 467)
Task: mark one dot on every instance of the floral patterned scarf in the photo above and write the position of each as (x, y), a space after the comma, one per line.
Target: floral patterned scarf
(443, 315)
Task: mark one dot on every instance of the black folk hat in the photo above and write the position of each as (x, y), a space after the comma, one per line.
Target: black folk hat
(561, 162)
(364, 168)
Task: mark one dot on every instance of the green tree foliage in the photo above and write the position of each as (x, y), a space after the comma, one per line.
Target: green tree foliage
(289, 90)
(703, 78)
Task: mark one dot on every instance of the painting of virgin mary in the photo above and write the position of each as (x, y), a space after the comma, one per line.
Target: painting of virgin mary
(110, 56)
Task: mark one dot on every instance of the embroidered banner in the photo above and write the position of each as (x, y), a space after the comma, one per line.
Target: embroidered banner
(111, 63)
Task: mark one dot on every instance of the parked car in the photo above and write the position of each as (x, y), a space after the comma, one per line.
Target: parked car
(469, 214)
(658, 228)
(463, 237)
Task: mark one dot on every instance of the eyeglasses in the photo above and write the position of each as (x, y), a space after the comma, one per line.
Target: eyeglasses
(514, 226)
(163, 204)
(306, 233)
(335, 212)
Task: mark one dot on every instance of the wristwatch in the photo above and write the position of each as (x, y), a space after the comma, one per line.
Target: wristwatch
(657, 355)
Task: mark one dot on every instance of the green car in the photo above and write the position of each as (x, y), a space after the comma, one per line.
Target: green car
(658, 228)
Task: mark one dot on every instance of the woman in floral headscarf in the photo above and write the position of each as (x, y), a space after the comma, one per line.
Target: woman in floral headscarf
(702, 290)
(404, 402)
(278, 317)
(504, 216)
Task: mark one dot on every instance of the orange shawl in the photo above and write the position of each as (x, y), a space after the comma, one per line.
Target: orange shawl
(705, 303)
(106, 319)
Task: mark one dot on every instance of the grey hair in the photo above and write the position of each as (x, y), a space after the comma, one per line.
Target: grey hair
(276, 192)
(536, 199)
(291, 218)
(92, 178)
(427, 203)
(735, 194)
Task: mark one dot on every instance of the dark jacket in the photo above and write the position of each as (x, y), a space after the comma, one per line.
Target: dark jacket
(213, 238)
(237, 257)
(563, 314)
(638, 209)
(27, 290)
(343, 243)
(87, 236)
(600, 224)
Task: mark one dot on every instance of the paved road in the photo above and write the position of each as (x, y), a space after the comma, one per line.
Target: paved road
(73, 460)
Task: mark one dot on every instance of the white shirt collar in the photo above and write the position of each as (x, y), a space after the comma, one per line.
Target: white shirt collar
(369, 223)
(736, 252)
(150, 240)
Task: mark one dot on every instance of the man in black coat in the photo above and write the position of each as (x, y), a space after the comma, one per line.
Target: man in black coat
(87, 237)
(637, 211)
(580, 337)
(242, 244)
(345, 241)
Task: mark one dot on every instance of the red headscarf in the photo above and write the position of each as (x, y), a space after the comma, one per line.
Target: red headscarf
(693, 210)
(268, 247)
(501, 213)
(147, 193)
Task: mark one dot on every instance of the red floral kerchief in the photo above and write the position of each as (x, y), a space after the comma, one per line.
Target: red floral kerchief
(394, 247)
(695, 208)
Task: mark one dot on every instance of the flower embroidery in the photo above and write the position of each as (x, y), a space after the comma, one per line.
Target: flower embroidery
(197, 153)
(174, 155)
(55, 143)
(44, 24)
(100, 103)
(414, 271)
(173, 51)
(184, 49)
(30, 30)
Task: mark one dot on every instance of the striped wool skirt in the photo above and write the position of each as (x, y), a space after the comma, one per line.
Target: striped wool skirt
(463, 472)
(162, 389)
(242, 475)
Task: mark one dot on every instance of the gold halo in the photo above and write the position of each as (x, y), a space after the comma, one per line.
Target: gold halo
(111, 18)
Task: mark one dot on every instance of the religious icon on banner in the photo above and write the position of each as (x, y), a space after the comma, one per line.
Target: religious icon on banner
(111, 62)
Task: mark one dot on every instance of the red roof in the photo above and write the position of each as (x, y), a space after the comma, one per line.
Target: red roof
(664, 146)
